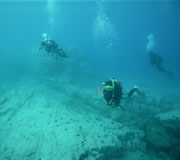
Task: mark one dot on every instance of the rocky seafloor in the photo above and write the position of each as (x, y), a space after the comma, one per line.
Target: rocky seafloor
(52, 120)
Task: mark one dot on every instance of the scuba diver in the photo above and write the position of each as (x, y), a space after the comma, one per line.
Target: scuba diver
(52, 47)
(112, 92)
(156, 59)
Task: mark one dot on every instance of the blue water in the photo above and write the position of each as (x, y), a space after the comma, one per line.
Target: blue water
(104, 39)
(116, 49)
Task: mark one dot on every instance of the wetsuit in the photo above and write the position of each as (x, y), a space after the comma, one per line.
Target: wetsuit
(156, 59)
(52, 47)
(112, 93)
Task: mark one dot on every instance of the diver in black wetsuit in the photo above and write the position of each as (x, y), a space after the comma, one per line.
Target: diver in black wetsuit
(156, 59)
(112, 92)
(52, 47)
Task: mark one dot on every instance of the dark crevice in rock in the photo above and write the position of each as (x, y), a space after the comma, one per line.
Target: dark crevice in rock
(19, 106)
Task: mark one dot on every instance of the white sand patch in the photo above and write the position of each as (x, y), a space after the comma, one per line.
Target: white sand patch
(172, 115)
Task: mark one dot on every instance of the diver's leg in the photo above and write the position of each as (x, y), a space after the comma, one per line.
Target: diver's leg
(161, 68)
(170, 75)
(59, 52)
(62, 53)
(131, 92)
(137, 90)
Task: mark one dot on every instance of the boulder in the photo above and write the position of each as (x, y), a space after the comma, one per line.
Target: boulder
(171, 122)
(158, 136)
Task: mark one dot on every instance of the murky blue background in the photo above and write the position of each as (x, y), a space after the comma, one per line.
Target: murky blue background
(111, 36)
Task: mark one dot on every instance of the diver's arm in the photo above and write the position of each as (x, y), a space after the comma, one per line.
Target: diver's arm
(41, 46)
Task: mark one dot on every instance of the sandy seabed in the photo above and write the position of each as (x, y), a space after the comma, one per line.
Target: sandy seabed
(52, 120)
